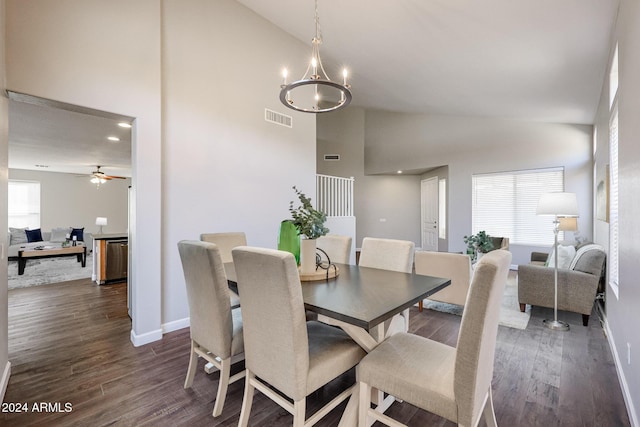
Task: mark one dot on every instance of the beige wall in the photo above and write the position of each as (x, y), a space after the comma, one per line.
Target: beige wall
(67, 200)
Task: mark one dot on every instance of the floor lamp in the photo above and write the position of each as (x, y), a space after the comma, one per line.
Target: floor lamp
(563, 206)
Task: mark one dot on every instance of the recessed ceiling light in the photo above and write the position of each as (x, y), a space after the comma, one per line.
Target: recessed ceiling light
(124, 125)
(113, 138)
(399, 171)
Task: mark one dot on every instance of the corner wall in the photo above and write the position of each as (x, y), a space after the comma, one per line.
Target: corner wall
(5, 365)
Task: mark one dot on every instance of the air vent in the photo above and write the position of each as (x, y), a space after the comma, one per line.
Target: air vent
(278, 118)
(332, 157)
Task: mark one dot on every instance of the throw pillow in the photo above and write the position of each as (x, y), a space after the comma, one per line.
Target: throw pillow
(18, 236)
(565, 256)
(79, 233)
(587, 261)
(34, 235)
(59, 235)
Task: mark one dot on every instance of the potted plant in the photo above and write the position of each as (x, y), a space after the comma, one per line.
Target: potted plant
(478, 244)
(310, 225)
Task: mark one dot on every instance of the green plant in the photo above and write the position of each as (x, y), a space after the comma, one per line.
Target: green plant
(308, 220)
(480, 242)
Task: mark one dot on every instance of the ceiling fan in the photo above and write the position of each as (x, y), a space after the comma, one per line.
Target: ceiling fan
(99, 177)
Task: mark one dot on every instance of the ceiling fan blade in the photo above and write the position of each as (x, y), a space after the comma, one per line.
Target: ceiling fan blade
(112, 177)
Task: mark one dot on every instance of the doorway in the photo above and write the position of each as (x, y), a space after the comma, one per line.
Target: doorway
(429, 213)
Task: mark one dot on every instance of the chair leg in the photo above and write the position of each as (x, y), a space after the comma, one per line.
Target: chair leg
(489, 413)
(299, 408)
(364, 404)
(193, 365)
(585, 320)
(522, 307)
(247, 401)
(223, 384)
(420, 305)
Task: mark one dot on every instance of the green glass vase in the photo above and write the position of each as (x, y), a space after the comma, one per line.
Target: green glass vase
(289, 240)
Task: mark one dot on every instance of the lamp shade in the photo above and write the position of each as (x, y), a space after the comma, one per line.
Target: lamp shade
(558, 204)
(568, 224)
(101, 220)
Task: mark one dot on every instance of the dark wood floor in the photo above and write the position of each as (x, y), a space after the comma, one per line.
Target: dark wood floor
(69, 343)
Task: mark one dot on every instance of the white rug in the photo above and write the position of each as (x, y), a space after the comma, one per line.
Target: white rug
(510, 314)
(48, 270)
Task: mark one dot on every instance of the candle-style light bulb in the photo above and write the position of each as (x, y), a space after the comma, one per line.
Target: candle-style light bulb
(314, 64)
(285, 73)
(345, 73)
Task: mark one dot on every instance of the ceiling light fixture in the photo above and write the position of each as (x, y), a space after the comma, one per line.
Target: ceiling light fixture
(113, 138)
(315, 93)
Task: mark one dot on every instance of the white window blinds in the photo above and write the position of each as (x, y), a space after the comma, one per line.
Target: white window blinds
(504, 205)
(24, 204)
(612, 262)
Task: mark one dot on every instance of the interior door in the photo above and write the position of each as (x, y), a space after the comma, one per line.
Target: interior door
(429, 203)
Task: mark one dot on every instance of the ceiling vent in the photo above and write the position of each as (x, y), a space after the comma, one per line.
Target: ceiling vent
(278, 118)
(332, 157)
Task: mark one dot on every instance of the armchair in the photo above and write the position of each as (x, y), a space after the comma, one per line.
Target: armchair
(577, 285)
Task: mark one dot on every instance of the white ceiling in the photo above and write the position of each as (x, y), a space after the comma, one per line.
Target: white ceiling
(541, 60)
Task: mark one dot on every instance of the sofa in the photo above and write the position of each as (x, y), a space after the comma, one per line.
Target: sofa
(17, 239)
(577, 282)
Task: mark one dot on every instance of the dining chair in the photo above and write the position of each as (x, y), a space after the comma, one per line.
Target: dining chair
(394, 255)
(216, 329)
(226, 242)
(336, 247)
(456, 267)
(282, 349)
(454, 383)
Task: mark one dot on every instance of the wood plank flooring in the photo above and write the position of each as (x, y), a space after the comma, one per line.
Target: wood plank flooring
(69, 343)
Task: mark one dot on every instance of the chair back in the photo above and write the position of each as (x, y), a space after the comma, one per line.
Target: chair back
(387, 254)
(275, 332)
(226, 242)
(208, 295)
(456, 267)
(478, 333)
(337, 248)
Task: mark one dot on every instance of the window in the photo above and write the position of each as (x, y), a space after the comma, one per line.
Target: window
(442, 208)
(24, 204)
(614, 259)
(504, 205)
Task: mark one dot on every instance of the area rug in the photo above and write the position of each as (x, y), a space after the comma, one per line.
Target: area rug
(48, 270)
(510, 314)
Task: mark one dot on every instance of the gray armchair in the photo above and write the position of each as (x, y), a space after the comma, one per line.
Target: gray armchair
(577, 285)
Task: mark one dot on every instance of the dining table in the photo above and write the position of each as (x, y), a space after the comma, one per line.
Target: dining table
(359, 300)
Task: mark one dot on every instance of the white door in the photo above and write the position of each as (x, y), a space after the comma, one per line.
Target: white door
(429, 191)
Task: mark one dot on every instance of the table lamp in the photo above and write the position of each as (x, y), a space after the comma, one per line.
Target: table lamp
(564, 206)
(101, 221)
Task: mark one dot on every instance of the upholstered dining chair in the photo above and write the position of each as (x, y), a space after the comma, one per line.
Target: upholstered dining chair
(454, 383)
(394, 255)
(226, 242)
(282, 349)
(216, 330)
(456, 267)
(337, 248)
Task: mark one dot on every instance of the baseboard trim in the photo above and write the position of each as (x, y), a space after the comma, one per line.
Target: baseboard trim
(631, 410)
(5, 380)
(146, 338)
(175, 325)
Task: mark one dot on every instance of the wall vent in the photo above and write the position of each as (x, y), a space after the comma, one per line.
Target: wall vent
(332, 157)
(278, 118)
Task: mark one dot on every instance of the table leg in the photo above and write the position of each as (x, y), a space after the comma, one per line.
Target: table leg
(22, 262)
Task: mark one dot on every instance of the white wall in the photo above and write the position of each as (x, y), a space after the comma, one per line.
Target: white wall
(224, 167)
(69, 201)
(5, 365)
(622, 312)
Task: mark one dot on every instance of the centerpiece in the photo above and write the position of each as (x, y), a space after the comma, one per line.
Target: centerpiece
(310, 225)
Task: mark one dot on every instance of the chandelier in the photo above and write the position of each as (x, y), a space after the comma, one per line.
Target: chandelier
(315, 92)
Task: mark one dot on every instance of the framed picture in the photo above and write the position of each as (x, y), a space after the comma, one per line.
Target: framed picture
(602, 197)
